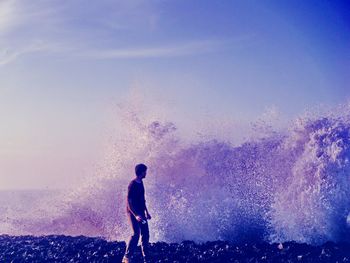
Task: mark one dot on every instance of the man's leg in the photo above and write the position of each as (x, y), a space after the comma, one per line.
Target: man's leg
(134, 239)
(145, 241)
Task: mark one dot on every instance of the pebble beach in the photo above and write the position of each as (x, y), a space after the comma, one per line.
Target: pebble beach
(57, 248)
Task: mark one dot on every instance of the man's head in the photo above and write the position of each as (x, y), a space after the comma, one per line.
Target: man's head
(141, 170)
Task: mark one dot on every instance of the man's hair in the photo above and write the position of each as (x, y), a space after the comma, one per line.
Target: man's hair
(140, 168)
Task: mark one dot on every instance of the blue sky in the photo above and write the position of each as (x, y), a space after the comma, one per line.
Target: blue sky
(65, 64)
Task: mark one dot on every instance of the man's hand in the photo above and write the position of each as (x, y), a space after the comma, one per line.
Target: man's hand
(148, 216)
(139, 218)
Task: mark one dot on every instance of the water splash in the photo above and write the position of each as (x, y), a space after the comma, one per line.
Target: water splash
(286, 185)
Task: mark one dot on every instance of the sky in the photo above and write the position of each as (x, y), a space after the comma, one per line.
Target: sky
(64, 65)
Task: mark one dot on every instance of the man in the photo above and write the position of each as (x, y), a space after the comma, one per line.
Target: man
(137, 214)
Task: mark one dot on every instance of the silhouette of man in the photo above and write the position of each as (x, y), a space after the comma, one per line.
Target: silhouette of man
(138, 215)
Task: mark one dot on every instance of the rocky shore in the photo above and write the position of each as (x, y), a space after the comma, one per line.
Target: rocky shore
(87, 249)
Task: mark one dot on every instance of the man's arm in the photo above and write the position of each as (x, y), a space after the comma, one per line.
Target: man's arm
(130, 200)
(131, 207)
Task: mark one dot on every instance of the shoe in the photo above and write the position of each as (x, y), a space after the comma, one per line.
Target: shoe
(125, 260)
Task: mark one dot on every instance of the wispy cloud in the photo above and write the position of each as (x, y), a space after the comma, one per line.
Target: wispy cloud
(185, 48)
(188, 48)
(20, 30)
(24, 32)
(7, 15)
(9, 55)
(182, 49)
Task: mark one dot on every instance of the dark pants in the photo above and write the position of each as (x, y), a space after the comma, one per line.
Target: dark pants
(137, 227)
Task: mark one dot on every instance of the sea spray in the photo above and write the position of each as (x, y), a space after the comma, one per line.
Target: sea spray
(313, 204)
(286, 185)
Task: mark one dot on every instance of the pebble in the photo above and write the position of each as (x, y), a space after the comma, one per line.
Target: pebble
(57, 248)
